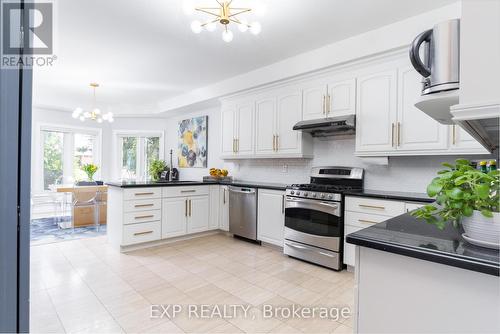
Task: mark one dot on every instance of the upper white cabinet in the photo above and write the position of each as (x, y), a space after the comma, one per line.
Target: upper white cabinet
(376, 112)
(416, 130)
(388, 124)
(329, 98)
(263, 126)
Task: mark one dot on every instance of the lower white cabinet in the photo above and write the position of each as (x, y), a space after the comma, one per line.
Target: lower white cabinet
(197, 219)
(214, 207)
(271, 216)
(363, 212)
(224, 208)
(174, 217)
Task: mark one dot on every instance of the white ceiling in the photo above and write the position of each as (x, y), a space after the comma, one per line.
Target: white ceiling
(143, 52)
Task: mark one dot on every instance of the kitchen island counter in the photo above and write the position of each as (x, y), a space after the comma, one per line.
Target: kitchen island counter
(237, 183)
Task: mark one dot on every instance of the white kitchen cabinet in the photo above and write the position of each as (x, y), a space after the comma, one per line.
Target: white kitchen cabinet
(224, 208)
(265, 125)
(198, 214)
(288, 113)
(245, 129)
(349, 249)
(341, 98)
(314, 97)
(376, 114)
(174, 217)
(228, 134)
(271, 216)
(415, 129)
(462, 142)
(214, 207)
(329, 98)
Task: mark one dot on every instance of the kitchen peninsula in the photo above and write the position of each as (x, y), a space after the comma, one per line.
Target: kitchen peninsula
(413, 277)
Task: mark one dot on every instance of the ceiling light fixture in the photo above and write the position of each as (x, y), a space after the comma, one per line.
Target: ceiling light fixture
(224, 14)
(95, 114)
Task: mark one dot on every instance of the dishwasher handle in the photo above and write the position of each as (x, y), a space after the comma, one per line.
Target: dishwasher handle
(242, 190)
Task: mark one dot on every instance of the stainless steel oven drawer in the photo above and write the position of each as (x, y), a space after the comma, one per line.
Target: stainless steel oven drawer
(312, 254)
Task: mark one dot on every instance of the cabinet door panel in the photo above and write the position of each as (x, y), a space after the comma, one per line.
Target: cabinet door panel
(289, 112)
(376, 112)
(174, 217)
(224, 208)
(417, 131)
(228, 135)
(342, 98)
(461, 141)
(314, 95)
(350, 249)
(271, 217)
(214, 207)
(245, 135)
(265, 115)
(198, 214)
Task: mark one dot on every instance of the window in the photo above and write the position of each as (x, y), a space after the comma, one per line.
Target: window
(136, 152)
(64, 151)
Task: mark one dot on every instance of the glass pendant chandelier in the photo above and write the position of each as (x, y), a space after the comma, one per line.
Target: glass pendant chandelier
(94, 114)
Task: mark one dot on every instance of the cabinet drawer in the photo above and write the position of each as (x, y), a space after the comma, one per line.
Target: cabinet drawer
(374, 206)
(141, 217)
(142, 205)
(185, 191)
(362, 220)
(141, 193)
(142, 232)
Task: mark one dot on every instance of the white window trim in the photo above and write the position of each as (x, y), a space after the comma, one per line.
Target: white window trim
(117, 151)
(37, 177)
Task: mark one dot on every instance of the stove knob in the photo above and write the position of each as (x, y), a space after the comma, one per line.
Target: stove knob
(298, 193)
(292, 192)
(306, 194)
(330, 196)
(314, 194)
(322, 195)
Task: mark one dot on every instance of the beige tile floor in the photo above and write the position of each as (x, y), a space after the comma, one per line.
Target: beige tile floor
(87, 286)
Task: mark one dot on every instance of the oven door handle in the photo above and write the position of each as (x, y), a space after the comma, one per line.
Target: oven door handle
(296, 246)
(326, 207)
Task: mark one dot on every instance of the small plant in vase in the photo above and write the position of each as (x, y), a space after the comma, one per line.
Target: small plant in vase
(156, 167)
(468, 197)
(90, 170)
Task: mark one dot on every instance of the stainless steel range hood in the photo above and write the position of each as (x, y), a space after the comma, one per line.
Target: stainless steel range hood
(326, 127)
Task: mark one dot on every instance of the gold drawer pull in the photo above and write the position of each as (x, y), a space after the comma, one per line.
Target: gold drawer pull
(143, 233)
(372, 206)
(143, 194)
(143, 205)
(366, 221)
(144, 217)
(188, 191)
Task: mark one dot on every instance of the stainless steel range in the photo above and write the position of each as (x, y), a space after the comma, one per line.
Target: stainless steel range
(314, 215)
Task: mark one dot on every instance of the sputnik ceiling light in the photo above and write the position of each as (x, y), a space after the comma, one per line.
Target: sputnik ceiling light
(225, 15)
(95, 114)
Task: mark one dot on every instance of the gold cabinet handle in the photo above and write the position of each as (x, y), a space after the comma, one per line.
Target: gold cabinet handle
(366, 221)
(454, 138)
(188, 191)
(277, 143)
(143, 194)
(399, 134)
(328, 104)
(274, 142)
(237, 144)
(189, 208)
(324, 104)
(282, 203)
(185, 208)
(224, 195)
(143, 233)
(371, 206)
(234, 145)
(144, 217)
(392, 134)
(143, 205)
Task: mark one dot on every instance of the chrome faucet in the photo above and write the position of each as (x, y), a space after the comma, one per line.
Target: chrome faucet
(171, 171)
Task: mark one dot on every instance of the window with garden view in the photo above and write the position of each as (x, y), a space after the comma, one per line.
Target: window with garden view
(136, 155)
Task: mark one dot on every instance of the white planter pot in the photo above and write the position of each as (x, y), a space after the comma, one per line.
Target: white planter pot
(481, 228)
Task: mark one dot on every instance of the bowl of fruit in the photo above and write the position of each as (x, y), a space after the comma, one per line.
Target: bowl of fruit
(218, 174)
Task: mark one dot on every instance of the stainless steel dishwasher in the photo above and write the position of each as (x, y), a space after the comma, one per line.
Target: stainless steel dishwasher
(243, 212)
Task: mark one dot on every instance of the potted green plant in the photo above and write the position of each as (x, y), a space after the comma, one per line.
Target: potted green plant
(468, 197)
(156, 167)
(90, 170)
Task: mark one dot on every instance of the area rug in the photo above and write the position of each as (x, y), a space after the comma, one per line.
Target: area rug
(47, 230)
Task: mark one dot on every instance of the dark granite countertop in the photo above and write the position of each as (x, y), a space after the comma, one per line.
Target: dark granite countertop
(395, 195)
(406, 235)
(237, 183)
